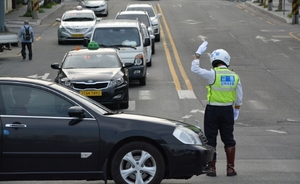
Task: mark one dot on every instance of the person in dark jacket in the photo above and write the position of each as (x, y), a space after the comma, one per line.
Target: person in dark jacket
(26, 42)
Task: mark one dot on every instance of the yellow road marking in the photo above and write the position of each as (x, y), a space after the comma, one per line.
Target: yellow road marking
(292, 35)
(54, 24)
(177, 58)
(38, 38)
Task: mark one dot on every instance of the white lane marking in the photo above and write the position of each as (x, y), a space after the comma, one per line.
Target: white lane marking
(131, 104)
(36, 76)
(197, 110)
(278, 30)
(186, 94)
(283, 36)
(264, 39)
(255, 104)
(277, 131)
(146, 95)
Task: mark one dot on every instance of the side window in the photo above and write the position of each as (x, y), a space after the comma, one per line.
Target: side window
(31, 101)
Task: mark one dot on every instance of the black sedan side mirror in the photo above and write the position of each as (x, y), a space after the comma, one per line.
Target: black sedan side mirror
(55, 66)
(76, 111)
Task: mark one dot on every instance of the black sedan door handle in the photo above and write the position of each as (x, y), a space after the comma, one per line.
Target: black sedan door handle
(15, 125)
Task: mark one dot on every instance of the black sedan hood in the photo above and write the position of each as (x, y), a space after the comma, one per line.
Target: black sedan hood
(95, 74)
(150, 119)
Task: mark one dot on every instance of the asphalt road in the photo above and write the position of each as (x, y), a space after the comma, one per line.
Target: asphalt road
(264, 52)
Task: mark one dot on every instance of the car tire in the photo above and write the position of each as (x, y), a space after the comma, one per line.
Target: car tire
(149, 64)
(157, 37)
(153, 47)
(142, 81)
(151, 158)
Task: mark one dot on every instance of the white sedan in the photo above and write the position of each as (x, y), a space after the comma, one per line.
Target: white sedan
(75, 25)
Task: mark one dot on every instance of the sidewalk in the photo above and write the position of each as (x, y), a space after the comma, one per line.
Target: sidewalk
(274, 13)
(15, 18)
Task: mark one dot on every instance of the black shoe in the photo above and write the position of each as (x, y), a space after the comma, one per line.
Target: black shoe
(24, 58)
(30, 58)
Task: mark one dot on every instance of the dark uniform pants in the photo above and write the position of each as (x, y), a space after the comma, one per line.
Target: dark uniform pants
(29, 47)
(219, 118)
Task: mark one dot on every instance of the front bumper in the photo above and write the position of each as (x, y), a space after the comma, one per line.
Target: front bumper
(115, 95)
(101, 10)
(186, 161)
(137, 72)
(67, 36)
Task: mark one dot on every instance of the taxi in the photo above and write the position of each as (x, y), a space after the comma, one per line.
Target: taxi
(97, 73)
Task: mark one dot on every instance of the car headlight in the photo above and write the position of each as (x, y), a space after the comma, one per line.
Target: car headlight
(62, 28)
(65, 82)
(117, 82)
(138, 60)
(186, 136)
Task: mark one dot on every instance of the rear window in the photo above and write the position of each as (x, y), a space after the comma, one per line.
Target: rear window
(109, 37)
(149, 10)
(142, 18)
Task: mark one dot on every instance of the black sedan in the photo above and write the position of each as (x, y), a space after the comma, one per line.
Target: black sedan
(97, 73)
(49, 132)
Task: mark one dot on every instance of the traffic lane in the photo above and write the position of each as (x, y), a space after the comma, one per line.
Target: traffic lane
(259, 64)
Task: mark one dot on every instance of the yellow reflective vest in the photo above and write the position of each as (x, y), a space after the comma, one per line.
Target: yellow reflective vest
(222, 91)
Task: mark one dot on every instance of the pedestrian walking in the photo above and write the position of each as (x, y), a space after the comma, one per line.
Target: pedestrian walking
(27, 37)
(224, 99)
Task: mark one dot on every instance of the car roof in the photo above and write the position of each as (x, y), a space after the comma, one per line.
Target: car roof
(117, 23)
(132, 12)
(80, 11)
(140, 5)
(26, 80)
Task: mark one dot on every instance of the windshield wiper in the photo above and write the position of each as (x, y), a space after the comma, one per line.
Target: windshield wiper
(127, 46)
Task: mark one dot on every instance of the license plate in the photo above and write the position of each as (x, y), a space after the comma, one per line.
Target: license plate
(77, 35)
(91, 93)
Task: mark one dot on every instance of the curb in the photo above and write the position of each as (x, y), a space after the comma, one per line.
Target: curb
(20, 21)
(270, 13)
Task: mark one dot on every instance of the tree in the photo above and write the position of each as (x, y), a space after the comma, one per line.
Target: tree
(280, 5)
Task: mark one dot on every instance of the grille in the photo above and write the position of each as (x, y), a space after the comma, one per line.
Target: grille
(77, 30)
(90, 85)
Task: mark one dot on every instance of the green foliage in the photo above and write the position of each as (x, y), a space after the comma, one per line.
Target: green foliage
(49, 5)
(41, 10)
(28, 14)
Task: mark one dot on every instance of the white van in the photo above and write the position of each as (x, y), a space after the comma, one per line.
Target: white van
(126, 36)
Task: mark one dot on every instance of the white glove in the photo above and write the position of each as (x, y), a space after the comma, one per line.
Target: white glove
(202, 48)
(236, 113)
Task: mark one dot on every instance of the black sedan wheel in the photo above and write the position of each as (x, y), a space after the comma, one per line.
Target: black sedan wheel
(138, 162)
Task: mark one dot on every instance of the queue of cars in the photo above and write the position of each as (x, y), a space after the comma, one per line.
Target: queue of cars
(132, 37)
(61, 130)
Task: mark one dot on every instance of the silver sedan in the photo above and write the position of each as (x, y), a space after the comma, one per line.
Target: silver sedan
(100, 7)
(75, 25)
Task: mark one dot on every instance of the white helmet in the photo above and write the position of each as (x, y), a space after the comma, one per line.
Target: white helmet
(221, 55)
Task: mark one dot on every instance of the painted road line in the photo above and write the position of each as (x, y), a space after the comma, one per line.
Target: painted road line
(177, 58)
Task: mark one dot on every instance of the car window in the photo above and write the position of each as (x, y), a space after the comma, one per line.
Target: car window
(30, 101)
(117, 36)
(149, 10)
(78, 17)
(92, 60)
(142, 18)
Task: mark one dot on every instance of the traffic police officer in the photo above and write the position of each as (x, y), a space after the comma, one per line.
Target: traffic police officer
(224, 99)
